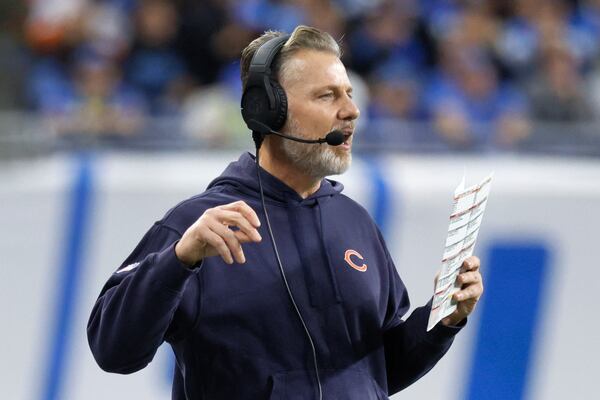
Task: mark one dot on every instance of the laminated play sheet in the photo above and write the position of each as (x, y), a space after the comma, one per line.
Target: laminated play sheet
(465, 220)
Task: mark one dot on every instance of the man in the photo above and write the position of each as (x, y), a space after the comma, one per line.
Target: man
(205, 277)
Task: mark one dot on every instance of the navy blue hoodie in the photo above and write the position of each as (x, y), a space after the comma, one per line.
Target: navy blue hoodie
(232, 328)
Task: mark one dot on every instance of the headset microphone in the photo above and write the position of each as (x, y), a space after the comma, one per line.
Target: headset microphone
(333, 138)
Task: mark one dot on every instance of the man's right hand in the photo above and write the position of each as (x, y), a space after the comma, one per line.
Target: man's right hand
(212, 235)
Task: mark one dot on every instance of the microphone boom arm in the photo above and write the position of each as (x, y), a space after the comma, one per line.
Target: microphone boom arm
(333, 138)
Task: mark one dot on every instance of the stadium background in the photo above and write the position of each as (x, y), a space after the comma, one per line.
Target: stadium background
(112, 111)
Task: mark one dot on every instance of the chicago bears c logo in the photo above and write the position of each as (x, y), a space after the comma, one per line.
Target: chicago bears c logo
(349, 253)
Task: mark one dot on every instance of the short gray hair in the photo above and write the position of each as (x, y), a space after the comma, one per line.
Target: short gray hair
(303, 37)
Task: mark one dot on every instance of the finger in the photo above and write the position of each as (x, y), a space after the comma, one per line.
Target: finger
(242, 237)
(468, 278)
(234, 218)
(231, 240)
(471, 292)
(436, 279)
(218, 244)
(471, 264)
(245, 210)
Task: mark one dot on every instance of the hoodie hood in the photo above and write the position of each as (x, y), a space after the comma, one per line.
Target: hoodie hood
(242, 175)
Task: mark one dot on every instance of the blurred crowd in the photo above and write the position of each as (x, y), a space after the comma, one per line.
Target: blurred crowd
(478, 72)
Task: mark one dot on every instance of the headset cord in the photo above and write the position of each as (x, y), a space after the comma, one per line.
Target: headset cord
(287, 286)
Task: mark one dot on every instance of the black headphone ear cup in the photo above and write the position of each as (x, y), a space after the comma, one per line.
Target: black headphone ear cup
(279, 114)
(255, 104)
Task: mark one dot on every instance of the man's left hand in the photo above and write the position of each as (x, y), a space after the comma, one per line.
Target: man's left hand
(469, 293)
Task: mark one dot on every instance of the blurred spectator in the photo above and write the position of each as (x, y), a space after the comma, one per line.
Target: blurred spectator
(473, 109)
(52, 24)
(153, 66)
(441, 16)
(476, 27)
(212, 116)
(211, 36)
(98, 103)
(387, 34)
(395, 93)
(558, 92)
(50, 31)
(104, 27)
(324, 15)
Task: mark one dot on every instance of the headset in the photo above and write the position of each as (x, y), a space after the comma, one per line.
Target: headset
(264, 100)
(264, 109)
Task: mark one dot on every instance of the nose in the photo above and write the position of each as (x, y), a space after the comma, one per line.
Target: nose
(348, 111)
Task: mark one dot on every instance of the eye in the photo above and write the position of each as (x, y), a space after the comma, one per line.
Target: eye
(326, 95)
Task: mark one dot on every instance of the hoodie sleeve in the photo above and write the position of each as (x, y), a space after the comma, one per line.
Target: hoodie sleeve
(141, 304)
(410, 350)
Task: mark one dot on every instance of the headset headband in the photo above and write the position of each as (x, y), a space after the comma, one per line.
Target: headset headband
(262, 59)
(260, 71)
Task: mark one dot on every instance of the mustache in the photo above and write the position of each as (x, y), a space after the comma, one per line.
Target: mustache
(349, 126)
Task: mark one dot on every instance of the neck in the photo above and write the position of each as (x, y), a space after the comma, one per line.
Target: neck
(280, 167)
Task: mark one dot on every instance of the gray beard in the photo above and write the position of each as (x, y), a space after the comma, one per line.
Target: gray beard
(315, 160)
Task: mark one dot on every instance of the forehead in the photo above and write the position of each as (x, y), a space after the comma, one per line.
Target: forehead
(313, 69)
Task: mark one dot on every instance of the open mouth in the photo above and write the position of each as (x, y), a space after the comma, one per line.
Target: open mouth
(346, 137)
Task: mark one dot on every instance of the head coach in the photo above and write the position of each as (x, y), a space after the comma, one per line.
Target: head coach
(272, 284)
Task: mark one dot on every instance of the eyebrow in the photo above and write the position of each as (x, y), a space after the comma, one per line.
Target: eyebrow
(334, 88)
